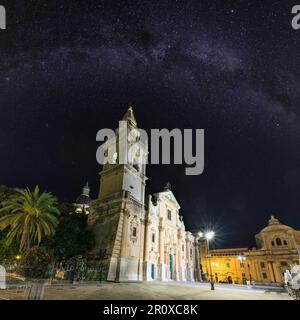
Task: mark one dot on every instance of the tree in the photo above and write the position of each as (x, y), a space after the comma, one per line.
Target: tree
(5, 192)
(72, 238)
(29, 216)
(35, 263)
(7, 252)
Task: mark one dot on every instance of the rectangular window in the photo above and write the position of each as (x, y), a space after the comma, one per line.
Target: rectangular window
(264, 275)
(183, 247)
(242, 265)
(262, 265)
(228, 265)
(191, 252)
(134, 231)
(169, 215)
(283, 263)
(153, 237)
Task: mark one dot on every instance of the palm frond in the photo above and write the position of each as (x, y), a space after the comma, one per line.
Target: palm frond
(29, 215)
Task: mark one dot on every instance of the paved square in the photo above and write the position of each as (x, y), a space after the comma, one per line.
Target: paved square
(150, 291)
(159, 291)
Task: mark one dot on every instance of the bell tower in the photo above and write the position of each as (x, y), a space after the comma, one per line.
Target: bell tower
(117, 217)
(125, 169)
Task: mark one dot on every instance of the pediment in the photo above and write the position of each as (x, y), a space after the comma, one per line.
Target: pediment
(169, 195)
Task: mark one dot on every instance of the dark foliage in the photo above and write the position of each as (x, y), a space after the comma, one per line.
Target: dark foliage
(7, 252)
(72, 237)
(35, 263)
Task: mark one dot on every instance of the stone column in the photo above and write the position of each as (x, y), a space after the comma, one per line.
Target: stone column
(147, 264)
(141, 249)
(256, 270)
(121, 267)
(176, 276)
(276, 272)
(180, 275)
(162, 269)
(271, 271)
(188, 259)
(197, 257)
(124, 233)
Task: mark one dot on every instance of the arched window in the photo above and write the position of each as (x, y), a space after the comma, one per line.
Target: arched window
(278, 242)
(273, 243)
(169, 215)
(285, 242)
(136, 161)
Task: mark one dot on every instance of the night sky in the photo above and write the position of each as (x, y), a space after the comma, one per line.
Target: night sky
(70, 68)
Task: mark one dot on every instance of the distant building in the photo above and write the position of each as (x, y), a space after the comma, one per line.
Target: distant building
(138, 238)
(276, 251)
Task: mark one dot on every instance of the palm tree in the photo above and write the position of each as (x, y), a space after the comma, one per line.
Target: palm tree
(30, 216)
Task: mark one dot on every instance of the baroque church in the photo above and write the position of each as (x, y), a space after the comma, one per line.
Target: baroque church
(277, 250)
(137, 237)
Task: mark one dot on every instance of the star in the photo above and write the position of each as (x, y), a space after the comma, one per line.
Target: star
(72, 70)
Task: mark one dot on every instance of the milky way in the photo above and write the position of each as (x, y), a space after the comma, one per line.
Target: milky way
(68, 70)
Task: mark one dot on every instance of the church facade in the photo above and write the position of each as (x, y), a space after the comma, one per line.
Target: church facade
(139, 238)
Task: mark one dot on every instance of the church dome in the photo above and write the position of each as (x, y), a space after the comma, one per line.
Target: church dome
(275, 225)
(83, 201)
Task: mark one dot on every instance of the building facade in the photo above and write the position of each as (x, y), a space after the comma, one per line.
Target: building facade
(276, 252)
(137, 237)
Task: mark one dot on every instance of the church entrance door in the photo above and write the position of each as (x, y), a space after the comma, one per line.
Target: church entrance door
(171, 266)
(152, 271)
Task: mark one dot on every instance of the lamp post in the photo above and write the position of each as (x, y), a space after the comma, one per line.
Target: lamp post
(198, 258)
(209, 235)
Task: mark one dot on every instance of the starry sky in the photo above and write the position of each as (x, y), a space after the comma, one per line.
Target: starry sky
(70, 68)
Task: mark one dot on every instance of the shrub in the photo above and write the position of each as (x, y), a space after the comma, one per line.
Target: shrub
(35, 263)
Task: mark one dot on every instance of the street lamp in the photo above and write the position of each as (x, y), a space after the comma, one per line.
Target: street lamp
(198, 237)
(208, 235)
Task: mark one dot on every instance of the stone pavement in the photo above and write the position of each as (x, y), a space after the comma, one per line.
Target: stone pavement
(159, 291)
(150, 291)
